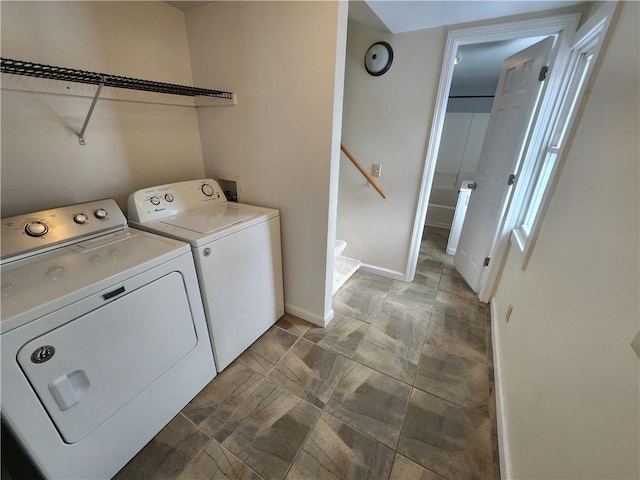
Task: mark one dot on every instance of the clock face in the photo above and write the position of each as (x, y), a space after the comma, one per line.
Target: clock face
(378, 58)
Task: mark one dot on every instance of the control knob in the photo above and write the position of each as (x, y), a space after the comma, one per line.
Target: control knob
(101, 213)
(80, 218)
(154, 200)
(207, 190)
(36, 229)
(168, 197)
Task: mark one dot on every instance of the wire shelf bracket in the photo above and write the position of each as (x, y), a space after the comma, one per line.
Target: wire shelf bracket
(89, 113)
(199, 96)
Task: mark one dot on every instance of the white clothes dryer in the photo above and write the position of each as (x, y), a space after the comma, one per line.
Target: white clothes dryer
(103, 335)
(237, 252)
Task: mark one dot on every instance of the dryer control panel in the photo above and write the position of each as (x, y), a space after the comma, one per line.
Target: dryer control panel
(163, 201)
(48, 229)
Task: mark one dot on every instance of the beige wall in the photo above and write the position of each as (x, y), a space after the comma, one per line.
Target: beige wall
(129, 145)
(286, 62)
(386, 120)
(570, 376)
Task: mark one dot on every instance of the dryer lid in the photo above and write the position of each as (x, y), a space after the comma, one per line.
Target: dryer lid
(39, 284)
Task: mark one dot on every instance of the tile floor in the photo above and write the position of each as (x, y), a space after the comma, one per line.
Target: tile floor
(399, 386)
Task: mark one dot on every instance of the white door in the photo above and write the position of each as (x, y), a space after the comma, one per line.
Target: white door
(511, 117)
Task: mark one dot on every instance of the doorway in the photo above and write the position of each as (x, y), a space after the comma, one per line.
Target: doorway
(475, 79)
(562, 28)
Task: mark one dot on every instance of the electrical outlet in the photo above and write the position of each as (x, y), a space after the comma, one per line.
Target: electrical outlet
(509, 310)
(376, 170)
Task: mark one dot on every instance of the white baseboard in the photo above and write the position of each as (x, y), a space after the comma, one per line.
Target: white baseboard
(503, 443)
(309, 317)
(383, 272)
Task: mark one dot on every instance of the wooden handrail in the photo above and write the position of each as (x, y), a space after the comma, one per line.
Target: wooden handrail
(362, 171)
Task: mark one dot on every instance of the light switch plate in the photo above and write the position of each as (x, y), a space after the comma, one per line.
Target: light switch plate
(635, 344)
(376, 170)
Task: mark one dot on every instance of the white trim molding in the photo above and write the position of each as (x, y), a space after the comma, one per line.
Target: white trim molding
(383, 272)
(309, 317)
(501, 419)
(587, 40)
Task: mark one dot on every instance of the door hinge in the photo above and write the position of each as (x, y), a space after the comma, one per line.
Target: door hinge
(543, 73)
(486, 261)
(512, 179)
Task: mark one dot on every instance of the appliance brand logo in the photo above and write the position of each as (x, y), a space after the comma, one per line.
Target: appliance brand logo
(43, 354)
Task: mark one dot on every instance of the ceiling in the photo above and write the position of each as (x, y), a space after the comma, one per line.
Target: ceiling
(478, 71)
(398, 16)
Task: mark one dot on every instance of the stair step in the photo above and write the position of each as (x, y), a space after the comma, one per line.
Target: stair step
(343, 270)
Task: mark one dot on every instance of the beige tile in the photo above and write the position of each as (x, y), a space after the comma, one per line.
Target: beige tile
(358, 304)
(370, 402)
(335, 451)
(405, 469)
(457, 335)
(455, 378)
(413, 295)
(470, 311)
(342, 335)
(310, 372)
(167, 454)
(455, 285)
(401, 320)
(293, 324)
(449, 269)
(267, 350)
(449, 440)
(268, 429)
(218, 400)
(388, 352)
(216, 462)
(428, 270)
(368, 282)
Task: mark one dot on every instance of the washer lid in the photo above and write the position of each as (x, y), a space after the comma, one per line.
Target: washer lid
(212, 219)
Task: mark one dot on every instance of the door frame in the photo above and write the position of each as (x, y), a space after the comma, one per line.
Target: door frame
(562, 26)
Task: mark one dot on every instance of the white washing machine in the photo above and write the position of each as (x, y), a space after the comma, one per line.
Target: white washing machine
(103, 334)
(237, 252)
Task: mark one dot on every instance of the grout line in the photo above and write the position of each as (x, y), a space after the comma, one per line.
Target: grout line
(353, 427)
(196, 425)
(285, 353)
(209, 437)
(260, 382)
(306, 436)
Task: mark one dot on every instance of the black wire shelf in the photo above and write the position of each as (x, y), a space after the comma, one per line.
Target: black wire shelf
(30, 69)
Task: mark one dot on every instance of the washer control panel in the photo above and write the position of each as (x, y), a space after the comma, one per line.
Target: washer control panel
(163, 201)
(47, 229)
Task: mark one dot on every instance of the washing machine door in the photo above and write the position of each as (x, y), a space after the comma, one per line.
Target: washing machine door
(87, 369)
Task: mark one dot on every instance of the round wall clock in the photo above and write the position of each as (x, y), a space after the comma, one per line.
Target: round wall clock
(378, 58)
